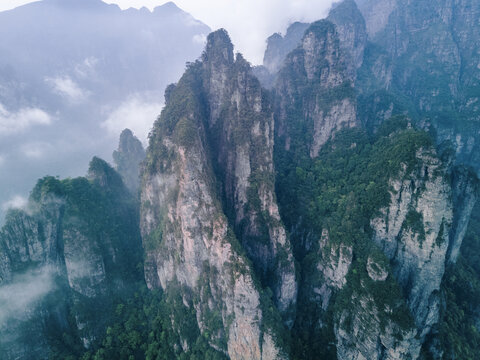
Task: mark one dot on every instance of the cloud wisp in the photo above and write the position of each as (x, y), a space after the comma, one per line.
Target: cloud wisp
(16, 202)
(36, 150)
(23, 119)
(20, 296)
(135, 114)
(67, 88)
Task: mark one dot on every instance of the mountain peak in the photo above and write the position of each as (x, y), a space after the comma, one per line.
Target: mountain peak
(320, 28)
(100, 172)
(346, 11)
(169, 5)
(219, 47)
(169, 8)
(127, 159)
(77, 3)
(279, 46)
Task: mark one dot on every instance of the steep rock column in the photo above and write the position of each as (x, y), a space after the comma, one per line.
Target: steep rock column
(187, 238)
(352, 33)
(333, 266)
(240, 131)
(128, 157)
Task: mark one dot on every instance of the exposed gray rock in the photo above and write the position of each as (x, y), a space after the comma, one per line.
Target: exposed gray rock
(362, 335)
(54, 260)
(376, 14)
(187, 236)
(128, 157)
(352, 33)
(84, 264)
(465, 190)
(278, 46)
(422, 62)
(333, 267)
(242, 140)
(316, 89)
(376, 271)
(413, 232)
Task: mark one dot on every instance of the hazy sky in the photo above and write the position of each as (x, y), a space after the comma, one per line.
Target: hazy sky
(249, 22)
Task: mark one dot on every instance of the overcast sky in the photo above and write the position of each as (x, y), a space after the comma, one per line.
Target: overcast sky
(249, 22)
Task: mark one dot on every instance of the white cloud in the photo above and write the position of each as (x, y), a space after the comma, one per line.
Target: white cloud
(136, 114)
(17, 202)
(86, 68)
(67, 88)
(200, 39)
(35, 150)
(18, 298)
(21, 120)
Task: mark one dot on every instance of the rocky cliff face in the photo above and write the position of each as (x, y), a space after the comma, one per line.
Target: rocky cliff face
(128, 157)
(376, 14)
(315, 91)
(417, 233)
(278, 46)
(421, 61)
(208, 200)
(413, 232)
(367, 335)
(59, 254)
(352, 33)
(241, 131)
(465, 193)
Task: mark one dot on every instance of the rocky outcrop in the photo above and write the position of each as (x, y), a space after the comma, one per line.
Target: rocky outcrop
(333, 266)
(315, 91)
(375, 271)
(240, 132)
(352, 33)
(128, 157)
(278, 46)
(376, 14)
(465, 193)
(364, 334)
(208, 199)
(413, 232)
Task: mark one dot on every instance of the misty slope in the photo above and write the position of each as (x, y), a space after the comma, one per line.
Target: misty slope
(66, 258)
(74, 74)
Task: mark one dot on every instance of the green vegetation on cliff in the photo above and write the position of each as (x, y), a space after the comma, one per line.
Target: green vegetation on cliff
(341, 190)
